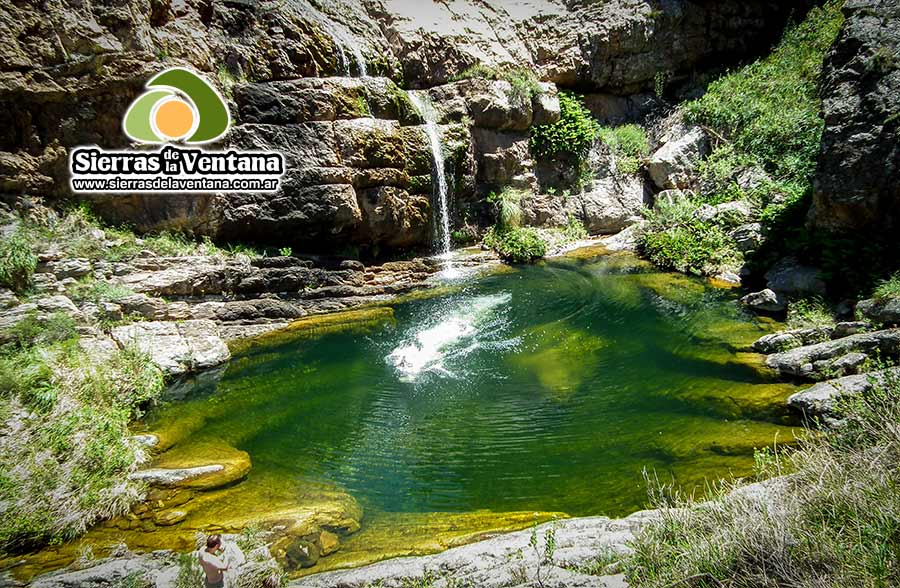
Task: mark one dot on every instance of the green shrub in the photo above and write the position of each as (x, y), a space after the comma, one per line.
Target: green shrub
(17, 260)
(68, 464)
(509, 207)
(573, 134)
(628, 143)
(31, 330)
(524, 85)
(770, 108)
(808, 312)
(516, 245)
(694, 248)
(889, 288)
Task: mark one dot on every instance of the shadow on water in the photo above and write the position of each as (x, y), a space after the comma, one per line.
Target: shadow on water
(547, 388)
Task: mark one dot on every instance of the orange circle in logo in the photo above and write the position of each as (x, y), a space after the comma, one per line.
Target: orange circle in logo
(174, 118)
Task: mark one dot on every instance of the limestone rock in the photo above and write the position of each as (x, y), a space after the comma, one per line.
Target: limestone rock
(176, 347)
(728, 213)
(73, 267)
(820, 399)
(747, 237)
(785, 340)
(855, 185)
(819, 360)
(673, 164)
(494, 562)
(885, 311)
(110, 572)
(765, 300)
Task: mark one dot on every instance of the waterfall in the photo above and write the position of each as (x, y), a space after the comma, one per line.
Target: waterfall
(344, 41)
(441, 208)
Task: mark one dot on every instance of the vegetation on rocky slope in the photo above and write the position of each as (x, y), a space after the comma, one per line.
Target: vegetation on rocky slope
(766, 128)
(66, 451)
(66, 400)
(831, 521)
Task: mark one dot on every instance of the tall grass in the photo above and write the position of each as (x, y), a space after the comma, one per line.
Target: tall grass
(66, 466)
(832, 521)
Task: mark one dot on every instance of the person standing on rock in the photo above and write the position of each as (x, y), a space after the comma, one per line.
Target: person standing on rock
(213, 566)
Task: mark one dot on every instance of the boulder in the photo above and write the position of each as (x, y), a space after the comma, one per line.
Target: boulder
(612, 203)
(846, 329)
(855, 184)
(766, 301)
(882, 311)
(821, 399)
(818, 361)
(176, 348)
(790, 277)
(673, 165)
(785, 340)
(73, 267)
(234, 465)
(143, 306)
(747, 237)
(727, 213)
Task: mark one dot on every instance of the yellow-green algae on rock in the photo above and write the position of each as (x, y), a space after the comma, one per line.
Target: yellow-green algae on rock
(545, 388)
(357, 320)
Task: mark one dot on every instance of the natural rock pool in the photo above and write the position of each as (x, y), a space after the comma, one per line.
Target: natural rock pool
(545, 388)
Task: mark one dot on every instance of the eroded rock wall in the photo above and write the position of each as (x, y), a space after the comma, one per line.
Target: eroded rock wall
(856, 183)
(358, 157)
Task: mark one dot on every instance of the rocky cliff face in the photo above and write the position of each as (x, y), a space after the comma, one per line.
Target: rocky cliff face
(856, 182)
(359, 163)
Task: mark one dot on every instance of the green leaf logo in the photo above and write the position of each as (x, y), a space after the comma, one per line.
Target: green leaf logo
(178, 105)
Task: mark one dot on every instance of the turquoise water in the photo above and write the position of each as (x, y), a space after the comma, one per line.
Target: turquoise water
(546, 388)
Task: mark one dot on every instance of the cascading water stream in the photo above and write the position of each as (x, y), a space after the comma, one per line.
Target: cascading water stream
(344, 41)
(440, 195)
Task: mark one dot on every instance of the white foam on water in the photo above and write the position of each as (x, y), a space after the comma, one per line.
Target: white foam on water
(454, 334)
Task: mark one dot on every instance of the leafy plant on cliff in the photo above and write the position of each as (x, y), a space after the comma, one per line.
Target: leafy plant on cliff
(573, 134)
(523, 82)
(628, 143)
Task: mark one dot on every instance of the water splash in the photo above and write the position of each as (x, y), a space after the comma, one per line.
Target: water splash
(441, 207)
(462, 328)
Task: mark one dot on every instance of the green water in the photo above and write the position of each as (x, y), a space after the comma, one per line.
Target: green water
(547, 388)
